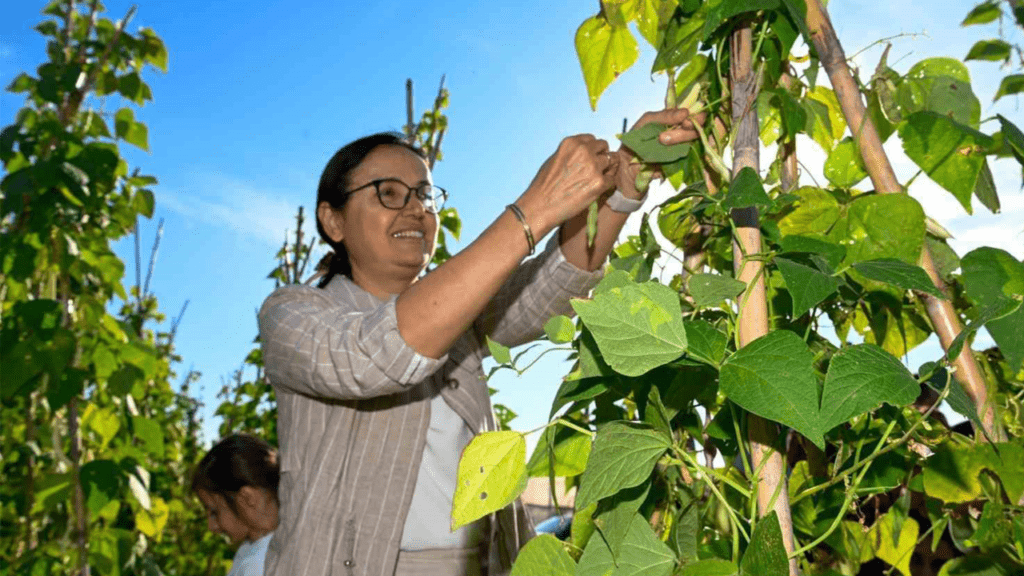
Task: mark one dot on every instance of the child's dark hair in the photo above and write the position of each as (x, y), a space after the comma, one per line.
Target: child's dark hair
(236, 461)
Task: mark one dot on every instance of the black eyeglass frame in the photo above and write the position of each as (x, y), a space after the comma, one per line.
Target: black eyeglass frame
(408, 195)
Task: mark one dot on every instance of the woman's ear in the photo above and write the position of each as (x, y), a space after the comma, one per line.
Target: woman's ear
(332, 221)
(256, 506)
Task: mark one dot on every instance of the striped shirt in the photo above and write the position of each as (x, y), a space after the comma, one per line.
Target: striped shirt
(354, 407)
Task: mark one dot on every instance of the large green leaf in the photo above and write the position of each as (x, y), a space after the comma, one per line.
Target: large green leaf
(492, 472)
(643, 141)
(129, 130)
(992, 276)
(808, 286)
(899, 273)
(766, 553)
(953, 473)
(597, 559)
(604, 51)
(712, 289)
(881, 226)
(623, 456)
(651, 16)
(814, 213)
(774, 378)
(844, 166)
(704, 342)
(746, 190)
(637, 326)
(561, 451)
(643, 553)
(940, 85)
(983, 13)
(860, 378)
(543, 556)
(614, 515)
(950, 153)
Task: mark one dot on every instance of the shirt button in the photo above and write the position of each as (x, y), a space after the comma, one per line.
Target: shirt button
(349, 563)
(453, 383)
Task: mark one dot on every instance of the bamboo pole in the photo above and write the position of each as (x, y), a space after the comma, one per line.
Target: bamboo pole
(772, 492)
(943, 315)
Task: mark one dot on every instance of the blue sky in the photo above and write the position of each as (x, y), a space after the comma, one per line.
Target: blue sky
(259, 95)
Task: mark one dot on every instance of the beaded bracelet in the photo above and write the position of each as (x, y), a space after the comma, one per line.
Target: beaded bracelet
(526, 227)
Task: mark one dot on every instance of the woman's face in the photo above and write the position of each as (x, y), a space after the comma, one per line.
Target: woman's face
(221, 519)
(382, 243)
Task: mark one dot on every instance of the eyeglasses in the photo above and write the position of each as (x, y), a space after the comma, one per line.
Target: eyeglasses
(394, 194)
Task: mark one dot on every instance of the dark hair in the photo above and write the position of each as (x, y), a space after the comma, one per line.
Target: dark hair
(335, 180)
(236, 461)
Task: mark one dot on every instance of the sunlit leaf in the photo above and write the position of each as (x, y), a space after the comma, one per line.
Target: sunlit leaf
(1012, 84)
(492, 473)
(712, 289)
(844, 166)
(604, 51)
(644, 142)
(860, 378)
(543, 556)
(623, 456)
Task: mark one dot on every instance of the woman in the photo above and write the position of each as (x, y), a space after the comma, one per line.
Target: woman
(378, 371)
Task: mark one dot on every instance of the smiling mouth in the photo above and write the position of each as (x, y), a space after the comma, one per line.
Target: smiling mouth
(415, 234)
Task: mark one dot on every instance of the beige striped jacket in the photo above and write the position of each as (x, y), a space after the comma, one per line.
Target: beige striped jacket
(354, 405)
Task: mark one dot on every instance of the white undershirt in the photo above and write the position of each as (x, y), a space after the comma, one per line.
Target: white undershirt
(250, 557)
(428, 525)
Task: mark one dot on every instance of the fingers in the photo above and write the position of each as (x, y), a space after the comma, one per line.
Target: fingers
(683, 132)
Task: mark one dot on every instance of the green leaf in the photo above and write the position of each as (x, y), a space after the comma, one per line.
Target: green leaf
(643, 141)
(994, 278)
(940, 85)
(792, 115)
(129, 130)
(894, 549)
(958, 399)
(710, 567)
(807, 286)
(543, 556)
(685, 527)
(899, 273)
(725, 10)
(104, 422)
(844, 167)
(860, 378)
(623, 456)
(976, 565)
(560, 329)
(151, 435)
(643, 553)
(985, 189)
(832, 253)
(1014, 137)
(982, 14)
(704, 342)
(614, 515)
(950, 153)
(814, 213)
(679, 46)
(798, 12)
(881, 226)
(1012, 84)
(953, 473)
(492, 472)
(637, 326)
(746, 190)
(712, 289)
(571, 452)
(151, 522)
(604, 51)
(993, 50)
(651, 14)
(766, 553)
(499, 352)
(597, 559)
(122, 380)
(773, 377)
(101, 481)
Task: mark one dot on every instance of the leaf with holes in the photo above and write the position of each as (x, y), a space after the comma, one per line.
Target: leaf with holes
(492, 472)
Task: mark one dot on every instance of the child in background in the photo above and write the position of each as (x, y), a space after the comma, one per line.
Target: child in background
(237, 484)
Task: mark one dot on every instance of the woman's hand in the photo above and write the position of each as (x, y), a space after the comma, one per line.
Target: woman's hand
(680, 129)
(578, 173)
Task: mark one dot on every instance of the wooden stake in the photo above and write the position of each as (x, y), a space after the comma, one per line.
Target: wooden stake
(943, 315)
(772, 492)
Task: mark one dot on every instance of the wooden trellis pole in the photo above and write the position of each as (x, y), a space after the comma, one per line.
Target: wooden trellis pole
(772, 492)
(943, 315)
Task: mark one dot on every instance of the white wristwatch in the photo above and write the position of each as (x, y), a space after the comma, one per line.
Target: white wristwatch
(619, 203)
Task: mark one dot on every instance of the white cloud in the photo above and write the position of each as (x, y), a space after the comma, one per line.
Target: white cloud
(255, 213)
